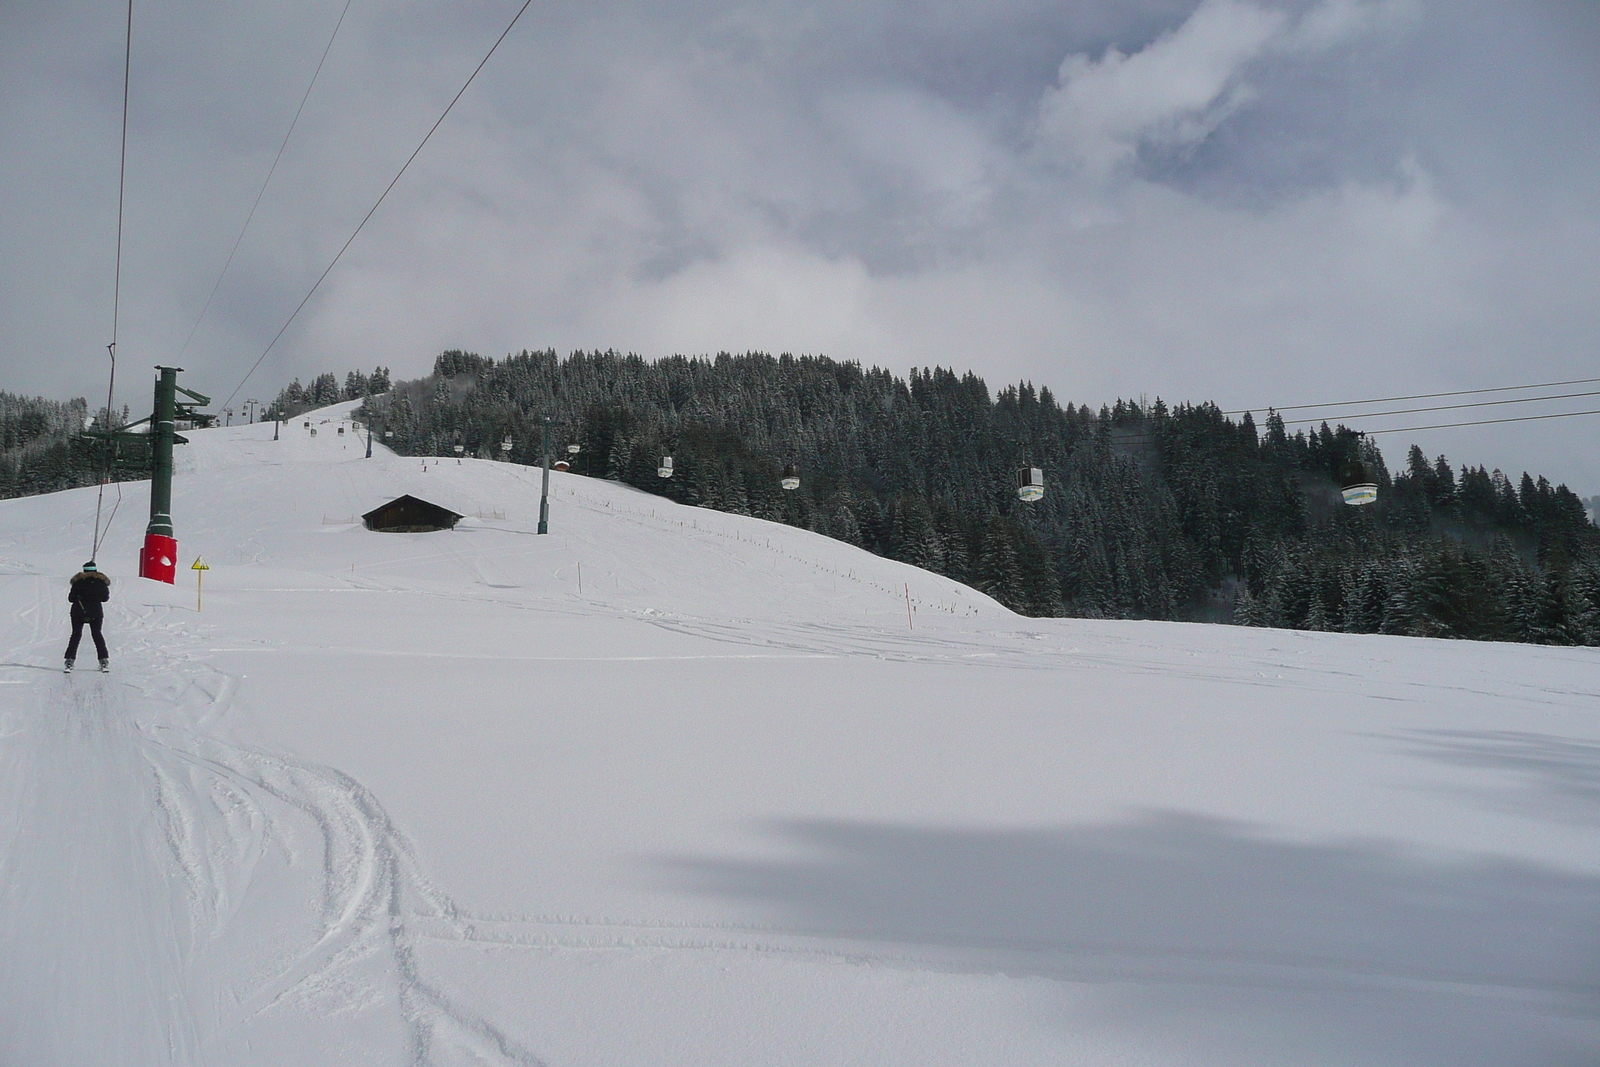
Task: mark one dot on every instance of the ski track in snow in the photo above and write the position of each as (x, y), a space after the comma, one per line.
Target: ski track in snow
(172, 830)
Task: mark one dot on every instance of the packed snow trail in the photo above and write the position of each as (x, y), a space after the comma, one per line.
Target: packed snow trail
(93, 916)
(422, 799)
(151, 876)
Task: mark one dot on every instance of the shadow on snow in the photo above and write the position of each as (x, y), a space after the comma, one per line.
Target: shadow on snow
(1214, 935)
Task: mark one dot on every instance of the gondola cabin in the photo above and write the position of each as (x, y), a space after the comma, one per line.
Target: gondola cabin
(1358, 483)
(791, 477)
(560, 465)
(665, 469)
(1030, 484)
(408, 514)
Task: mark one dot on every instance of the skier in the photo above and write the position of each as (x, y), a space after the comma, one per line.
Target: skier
(88, 591)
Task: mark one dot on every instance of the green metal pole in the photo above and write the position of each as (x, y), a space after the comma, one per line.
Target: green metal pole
(544, 495)
(162, 430)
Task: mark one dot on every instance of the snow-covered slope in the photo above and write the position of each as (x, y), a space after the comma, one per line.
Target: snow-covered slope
(674, 787)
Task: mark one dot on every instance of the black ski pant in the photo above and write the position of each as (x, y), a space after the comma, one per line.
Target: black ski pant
(78, 619)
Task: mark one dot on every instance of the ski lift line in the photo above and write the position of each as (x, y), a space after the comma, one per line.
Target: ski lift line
(116, 284)
(237, 241)
(1148, 437)
(1416, 396)
(122, 185)
(381, 198)
(1448, 407)
(1486, 422)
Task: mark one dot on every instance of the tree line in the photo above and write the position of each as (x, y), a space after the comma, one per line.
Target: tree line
(40, 450)
(324, 390)
(1150, 512)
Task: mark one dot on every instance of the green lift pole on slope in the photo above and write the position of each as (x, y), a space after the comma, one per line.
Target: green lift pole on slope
(159, 557)
(121, 448)
(544, 494)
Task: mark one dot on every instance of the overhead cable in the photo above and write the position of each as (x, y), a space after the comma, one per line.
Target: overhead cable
(265, 182)
(1145, 435)
(1445, 407)
(1484, 422)
(116, 284)
(383, 196)
(1417, 396)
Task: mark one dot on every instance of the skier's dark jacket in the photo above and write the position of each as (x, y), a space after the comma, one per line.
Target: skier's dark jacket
(88, 591)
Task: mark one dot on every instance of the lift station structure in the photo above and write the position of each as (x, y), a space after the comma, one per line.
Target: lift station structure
(158, 558)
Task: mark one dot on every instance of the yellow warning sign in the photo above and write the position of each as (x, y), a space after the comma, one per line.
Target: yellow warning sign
(199, 564)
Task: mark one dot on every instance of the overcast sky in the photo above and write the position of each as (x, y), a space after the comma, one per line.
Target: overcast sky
(1247, 202)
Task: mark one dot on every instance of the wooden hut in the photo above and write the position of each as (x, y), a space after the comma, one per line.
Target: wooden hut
(407, 514)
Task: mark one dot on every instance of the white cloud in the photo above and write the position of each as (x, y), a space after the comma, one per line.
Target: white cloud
(930, 149)
(1335, 22)
(1172, 91)
(1178, 89)
(766, 297)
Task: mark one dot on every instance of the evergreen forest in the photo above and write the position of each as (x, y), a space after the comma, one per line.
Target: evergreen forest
(1151, 512)
(40, 451)
(324, 390)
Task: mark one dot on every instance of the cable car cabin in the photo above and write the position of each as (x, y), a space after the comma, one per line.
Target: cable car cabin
(560, 465)
(791, 477)
(1358, 483)
(665, 470)
(1030, 484)
(574, 449)
(408, 514)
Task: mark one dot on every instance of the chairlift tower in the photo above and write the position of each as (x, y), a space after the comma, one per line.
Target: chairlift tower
(544, 493)
(158, 558)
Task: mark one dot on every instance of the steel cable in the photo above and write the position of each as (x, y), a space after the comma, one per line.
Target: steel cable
(116, 292)
(383, 196)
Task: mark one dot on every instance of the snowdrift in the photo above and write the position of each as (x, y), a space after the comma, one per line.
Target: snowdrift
(675, 787)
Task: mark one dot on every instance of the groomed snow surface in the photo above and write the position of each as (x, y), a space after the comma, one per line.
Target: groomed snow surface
(421, 799)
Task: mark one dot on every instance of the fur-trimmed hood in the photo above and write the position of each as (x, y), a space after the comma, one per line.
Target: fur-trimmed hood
(96, 575)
